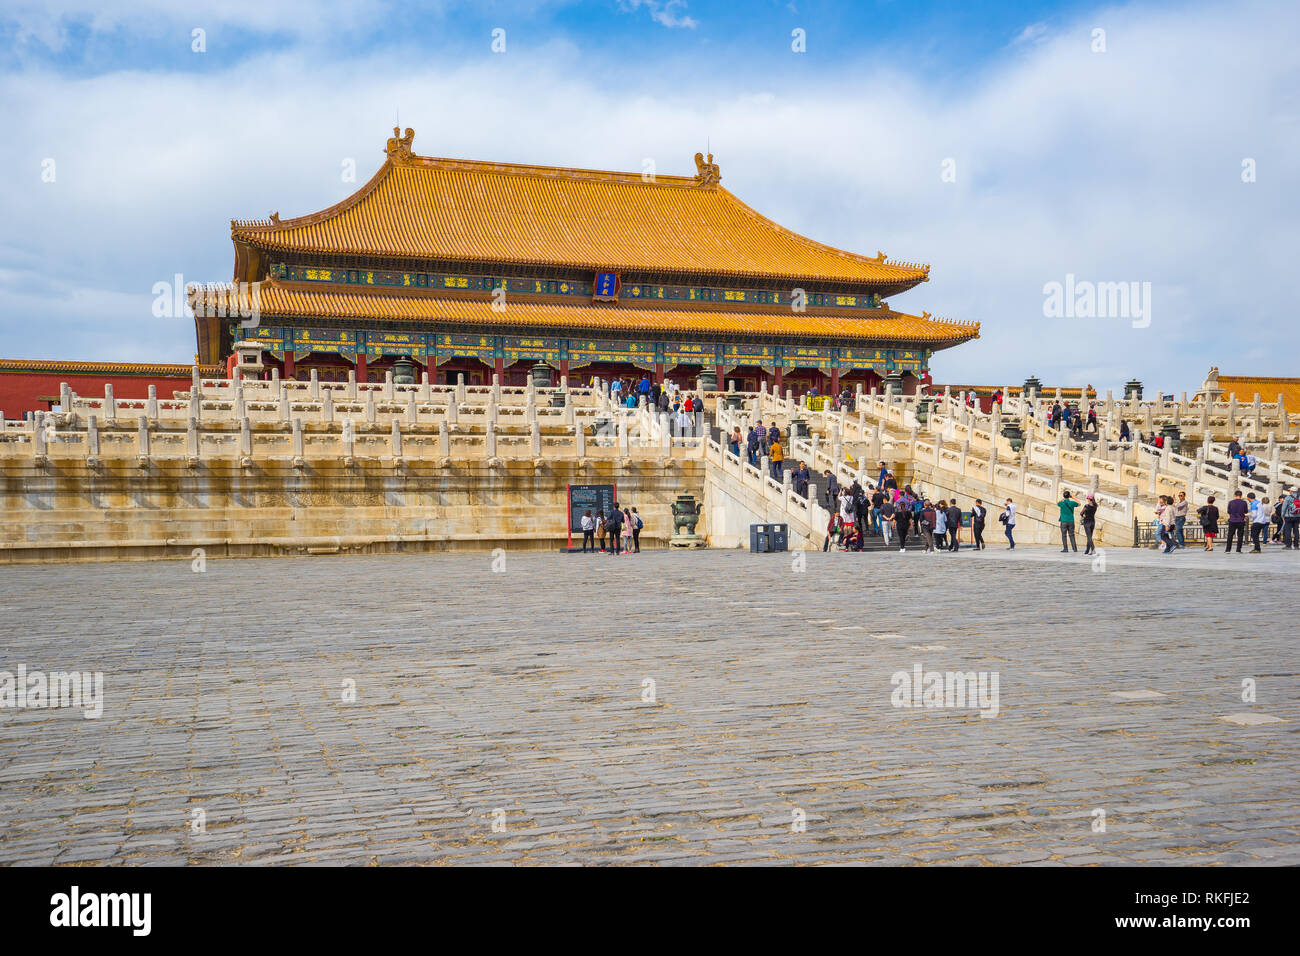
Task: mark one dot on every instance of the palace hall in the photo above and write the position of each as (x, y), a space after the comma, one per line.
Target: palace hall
(457, 267)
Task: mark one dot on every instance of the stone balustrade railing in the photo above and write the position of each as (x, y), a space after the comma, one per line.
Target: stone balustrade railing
(626, 433)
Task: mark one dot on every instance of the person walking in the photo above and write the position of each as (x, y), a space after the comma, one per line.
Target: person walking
(1181, 507)
(928, 517)
(734, 443)
(1008, 519)
(1237, 509)
(1123, 431)
(877, 502)
(886, 519)
(801, 478)
(902, 521)
(831, 484)
(776, 456)
(751, 445)
(1259, 523)
(941, 525)
(1291, 521)
(614, 526)
(1167, 524)
(954, 525)
(1088, 518)
(1067, 505)
(1209, 515)
(978, 513)
(637, 525)
(588, 532)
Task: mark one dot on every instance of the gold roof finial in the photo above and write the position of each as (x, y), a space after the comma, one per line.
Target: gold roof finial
(706, 171)
(399, 145)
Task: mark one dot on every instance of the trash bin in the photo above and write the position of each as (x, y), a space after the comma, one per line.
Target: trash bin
(760, 539)
(780, 537)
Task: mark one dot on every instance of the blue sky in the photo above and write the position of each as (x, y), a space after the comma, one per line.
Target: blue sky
(1116, 165)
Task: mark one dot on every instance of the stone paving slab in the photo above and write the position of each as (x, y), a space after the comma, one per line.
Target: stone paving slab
(707, 707)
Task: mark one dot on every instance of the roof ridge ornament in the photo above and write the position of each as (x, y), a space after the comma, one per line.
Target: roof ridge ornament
(399, 146)
(706, 171)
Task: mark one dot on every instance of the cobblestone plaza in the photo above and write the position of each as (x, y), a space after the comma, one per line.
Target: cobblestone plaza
(711, 707)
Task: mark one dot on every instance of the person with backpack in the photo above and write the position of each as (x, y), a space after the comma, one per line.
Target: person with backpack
(1291, 521)
(601, 529)
(1209, 515)
(614, 527)
(978, 513)
(1088, 518)
(928, 517)
(1008, 520)
(886, 519)
(637, 525)
(751, 445)
(588, 532)
(1067, 505)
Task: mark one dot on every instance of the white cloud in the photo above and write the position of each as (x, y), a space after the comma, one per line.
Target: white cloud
(1122, 166)
(1033, 33)
(668, 13)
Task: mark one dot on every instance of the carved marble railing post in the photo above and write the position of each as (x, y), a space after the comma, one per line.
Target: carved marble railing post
(580, 440)
(496, 389)
(110, 403)
(412, 413)
(313, 390)
(245, 438)
(965, 453)
(490, 439)
(92, 437)
(352, 385)
(426, 390)
(370, 407)
(327, 407)
(151, 404)
(142, 439)
(453, 412)
(284, 403)
(191, 439)
(535, 438)
(388, 385)
(349, 440)
(461, 391)
(196, 392)
(240, 410)
(297, 438)
(444, 440)
(395, 438)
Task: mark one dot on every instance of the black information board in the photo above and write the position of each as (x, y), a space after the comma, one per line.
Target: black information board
(584, 498)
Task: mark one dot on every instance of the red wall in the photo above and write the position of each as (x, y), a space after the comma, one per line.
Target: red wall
(19, 390)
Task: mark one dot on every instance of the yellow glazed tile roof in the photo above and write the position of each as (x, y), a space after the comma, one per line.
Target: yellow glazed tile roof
(1245, 387)
(422, 207)
(292, 301)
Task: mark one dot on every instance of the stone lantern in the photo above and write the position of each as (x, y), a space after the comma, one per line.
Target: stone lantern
(248, 360)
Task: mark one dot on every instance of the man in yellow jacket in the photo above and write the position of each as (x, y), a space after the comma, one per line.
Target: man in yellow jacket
(777, 456)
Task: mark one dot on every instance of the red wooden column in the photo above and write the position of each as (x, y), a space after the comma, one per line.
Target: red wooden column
(361, 367)
(499, 369)
(717, 372)
(835, 381)
(564, 371)
(779, 375)
(289, 371)
(659, 373)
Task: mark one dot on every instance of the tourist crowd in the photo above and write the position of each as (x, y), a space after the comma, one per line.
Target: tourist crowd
(618, 532)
